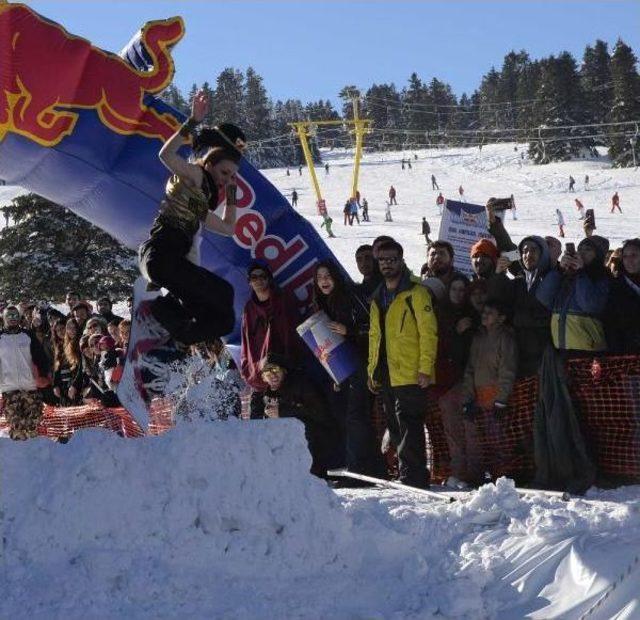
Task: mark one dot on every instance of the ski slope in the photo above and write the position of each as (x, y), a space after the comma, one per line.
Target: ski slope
(221, 520)
(496, 171)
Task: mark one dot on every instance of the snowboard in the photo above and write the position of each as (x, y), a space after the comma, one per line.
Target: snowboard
(150, 354)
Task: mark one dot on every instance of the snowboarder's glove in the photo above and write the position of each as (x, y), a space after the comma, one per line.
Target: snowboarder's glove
(499, 411)
(470, 410)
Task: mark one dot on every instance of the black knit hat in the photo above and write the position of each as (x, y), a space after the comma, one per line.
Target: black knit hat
(272, 360)
(258, 263)
(599, 244)
(226, 136)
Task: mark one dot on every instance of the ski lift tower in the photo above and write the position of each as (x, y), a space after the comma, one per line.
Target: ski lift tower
(306, 129)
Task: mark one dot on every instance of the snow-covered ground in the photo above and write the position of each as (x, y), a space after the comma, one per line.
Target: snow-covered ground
(221, 520)
(538, 192)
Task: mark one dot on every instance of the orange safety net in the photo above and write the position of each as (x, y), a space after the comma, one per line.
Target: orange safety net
(59, 422)
(605, 393)
(606, 396)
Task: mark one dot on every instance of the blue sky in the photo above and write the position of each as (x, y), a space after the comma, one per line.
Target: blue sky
(310, 49)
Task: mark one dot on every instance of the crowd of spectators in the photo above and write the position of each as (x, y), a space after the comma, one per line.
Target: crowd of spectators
(459, 341)
(58, 357)
(441, 336)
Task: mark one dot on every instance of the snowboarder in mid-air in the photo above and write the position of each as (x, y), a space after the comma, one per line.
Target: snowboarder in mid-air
(199, 304)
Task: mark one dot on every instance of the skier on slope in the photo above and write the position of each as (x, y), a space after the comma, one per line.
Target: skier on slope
(560, 222)
(440, 203)
(580, 208)
(615, 203)
(199, 305)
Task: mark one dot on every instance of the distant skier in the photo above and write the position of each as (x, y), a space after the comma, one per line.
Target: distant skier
(326, 223)
(580, 208)
(346, 211)
(387, 213)
(426, 230)
(615, 203)
(586, 182)
(288, 172)
(402, 161)
(294, 198)
(326, 168)
(560, 222)
(415, 156)
(300, 169)
(392, 196)
(353, 212)
(572, 182)
(409, 163)
(461, 192)
(365, 210)
(440, 203)
(434, 184)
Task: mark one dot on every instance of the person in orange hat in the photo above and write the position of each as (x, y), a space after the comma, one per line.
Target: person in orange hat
(484, 258)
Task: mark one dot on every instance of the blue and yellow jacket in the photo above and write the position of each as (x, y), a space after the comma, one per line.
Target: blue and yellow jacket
(577, 303)
(410, 333)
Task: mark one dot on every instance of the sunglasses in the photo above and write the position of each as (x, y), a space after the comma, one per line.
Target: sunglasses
(390, 260)
(271, 370)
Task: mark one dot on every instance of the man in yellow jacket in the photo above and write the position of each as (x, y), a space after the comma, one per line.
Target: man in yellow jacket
(403, 339)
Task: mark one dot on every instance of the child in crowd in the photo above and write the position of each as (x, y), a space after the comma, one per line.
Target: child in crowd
(487, 384)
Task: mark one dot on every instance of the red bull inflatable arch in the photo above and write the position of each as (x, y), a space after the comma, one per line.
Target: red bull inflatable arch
(82, 127)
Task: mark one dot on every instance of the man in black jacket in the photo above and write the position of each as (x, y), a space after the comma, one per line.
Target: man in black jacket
(291, 395)
(623, 308)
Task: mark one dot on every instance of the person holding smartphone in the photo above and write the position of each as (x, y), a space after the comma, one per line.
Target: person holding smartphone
(199, 305)
(577, 296)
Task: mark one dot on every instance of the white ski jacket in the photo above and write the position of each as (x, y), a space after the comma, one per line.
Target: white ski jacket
(19, 352)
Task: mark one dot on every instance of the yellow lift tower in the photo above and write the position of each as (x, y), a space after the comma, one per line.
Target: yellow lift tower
(305, 129)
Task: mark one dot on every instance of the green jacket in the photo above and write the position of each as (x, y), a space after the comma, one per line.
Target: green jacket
(410, 333)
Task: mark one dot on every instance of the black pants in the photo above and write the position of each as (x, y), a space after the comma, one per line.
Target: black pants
(200, 305)
(405, 408)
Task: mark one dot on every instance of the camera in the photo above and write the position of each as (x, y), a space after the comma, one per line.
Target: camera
(232, 194)
(501, 204)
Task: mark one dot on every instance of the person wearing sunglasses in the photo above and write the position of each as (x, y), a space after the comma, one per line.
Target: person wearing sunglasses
(199, 305)
(269, 321)
(20, 353)
(403, 340)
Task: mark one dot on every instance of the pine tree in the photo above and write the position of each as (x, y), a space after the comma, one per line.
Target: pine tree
(173, 97)
(257, 121)
(626, 106)
(595, 76)
(383, 106)
(489, 95)
(560, 104)
(48, 250)
(228, 100)
(418, 113)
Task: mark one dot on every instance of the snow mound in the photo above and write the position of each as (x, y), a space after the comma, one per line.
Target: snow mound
(109, 522)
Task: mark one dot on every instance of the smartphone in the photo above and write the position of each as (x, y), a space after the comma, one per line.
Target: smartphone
(570, 249)
(512, 255)
(590, 218)
(231, 194)
(500, 204)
